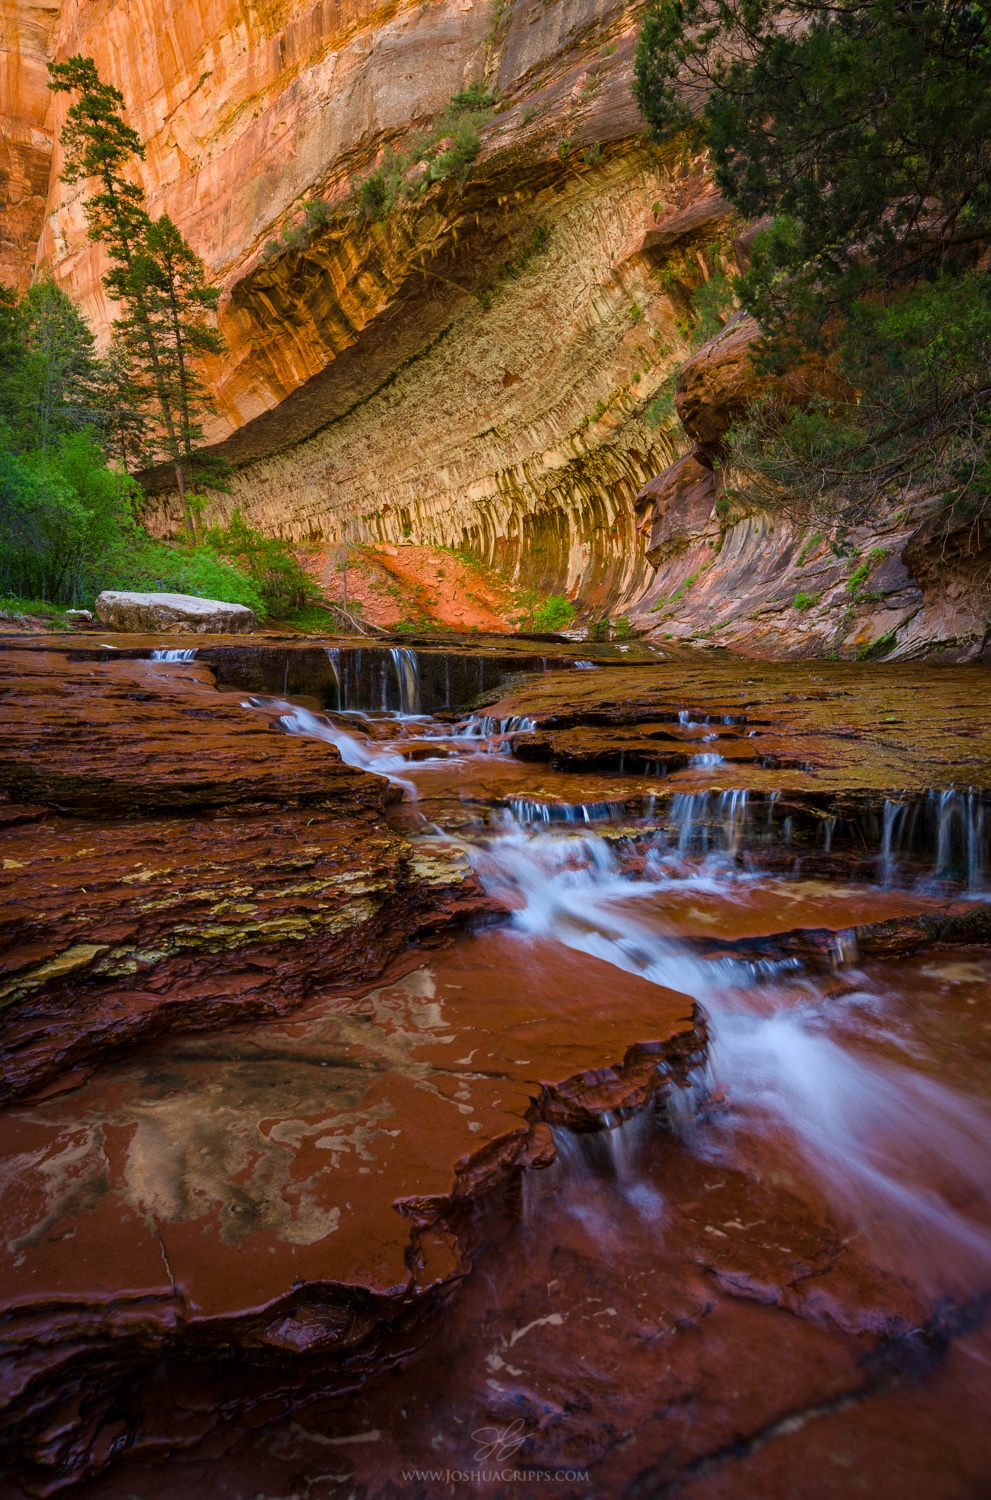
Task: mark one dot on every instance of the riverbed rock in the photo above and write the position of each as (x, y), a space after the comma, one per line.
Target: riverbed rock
(176, 614)
(172, 861)
(300, 1196)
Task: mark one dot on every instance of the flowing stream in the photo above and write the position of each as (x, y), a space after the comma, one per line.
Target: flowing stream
(799, 1226)
(848, 1088)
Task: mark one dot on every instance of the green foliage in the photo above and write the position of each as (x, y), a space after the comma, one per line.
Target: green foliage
(860, 574)
(64, 516)
(51, 382)
(808, 547)
(165, 333)
(165, 329)
(554, 613)
(804, 600)
(622, 629)
(281, 581)
(662, 411)
(14, 608)
(711, 304)
(920, 363)
(446, 150)
(863, 128)
(878, 649)
(862, 132)
(162, 567)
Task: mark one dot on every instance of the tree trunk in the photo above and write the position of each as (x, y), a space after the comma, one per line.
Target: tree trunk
(187, 514)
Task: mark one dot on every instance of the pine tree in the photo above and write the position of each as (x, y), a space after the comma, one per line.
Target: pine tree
(170, 301)
(127, 424)
(67, 392)
(154, 275)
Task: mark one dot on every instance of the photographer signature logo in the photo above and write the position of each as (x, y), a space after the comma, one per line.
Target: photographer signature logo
(498, 1443)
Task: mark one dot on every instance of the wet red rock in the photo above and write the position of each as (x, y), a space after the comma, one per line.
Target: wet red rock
(220, 1244)
(291, 1191)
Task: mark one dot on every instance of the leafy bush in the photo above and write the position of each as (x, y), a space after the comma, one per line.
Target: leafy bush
(923, 415)
(282, 583)
(803, 600)
(162, 567)
(554, 613)
(64, 518)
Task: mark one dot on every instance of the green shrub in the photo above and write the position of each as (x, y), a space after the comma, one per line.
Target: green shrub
(269, 566)
(554, 614)
(803, 600)
(64, 517)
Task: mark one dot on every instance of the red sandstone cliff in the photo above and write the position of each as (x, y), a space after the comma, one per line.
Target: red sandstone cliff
(479, 367)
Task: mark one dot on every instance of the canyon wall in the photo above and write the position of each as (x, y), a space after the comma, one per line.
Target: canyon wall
(26, 39)
(473, 368)
(488, 363)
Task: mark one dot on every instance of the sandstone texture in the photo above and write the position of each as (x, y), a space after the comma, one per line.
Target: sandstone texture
(172, 862)
(301, 1195)
(271, 1132)
(174, 613)
(27, 30)
(818, 729)
(480, 367)
(913, 583)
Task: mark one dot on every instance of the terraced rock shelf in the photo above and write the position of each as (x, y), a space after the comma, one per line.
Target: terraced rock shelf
(539, 1063)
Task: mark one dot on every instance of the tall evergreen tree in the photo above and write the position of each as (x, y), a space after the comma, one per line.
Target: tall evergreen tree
(167, 312)
(67, 391)
(127, 425)
(153, 274)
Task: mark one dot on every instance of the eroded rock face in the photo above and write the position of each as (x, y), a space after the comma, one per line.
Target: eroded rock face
(176, 614)
(678, 507)
(717, 384)
(171, 862)
(26, 29)
(250, 1183)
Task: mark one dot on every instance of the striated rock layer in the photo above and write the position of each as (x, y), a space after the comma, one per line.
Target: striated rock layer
(172, 863)
(291, 1205)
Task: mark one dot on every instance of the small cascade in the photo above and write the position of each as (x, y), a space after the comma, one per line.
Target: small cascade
(174, 653)
(704, 762)
(949, 832)
(708, 822)
(334, 657)
(407, 670)
(365, 754)
(522, 812)
(482, 727)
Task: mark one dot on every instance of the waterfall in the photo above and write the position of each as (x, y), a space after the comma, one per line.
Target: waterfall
(948, 831)
(704, 821)
(407, 670)
(334, 657)
(484, 727)
(522, 812)
(174, 653)
(875, 1131)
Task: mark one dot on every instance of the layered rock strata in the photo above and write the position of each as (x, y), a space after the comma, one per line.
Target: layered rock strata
(294, 1204)
(172, 863)
(817, 729)
(913, 583)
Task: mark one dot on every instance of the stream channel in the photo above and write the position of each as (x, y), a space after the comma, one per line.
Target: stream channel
(767, 1274)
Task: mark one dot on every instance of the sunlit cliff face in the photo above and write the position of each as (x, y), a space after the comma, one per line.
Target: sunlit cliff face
(472, 367)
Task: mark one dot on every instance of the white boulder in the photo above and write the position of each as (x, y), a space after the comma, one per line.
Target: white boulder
(175, 614)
